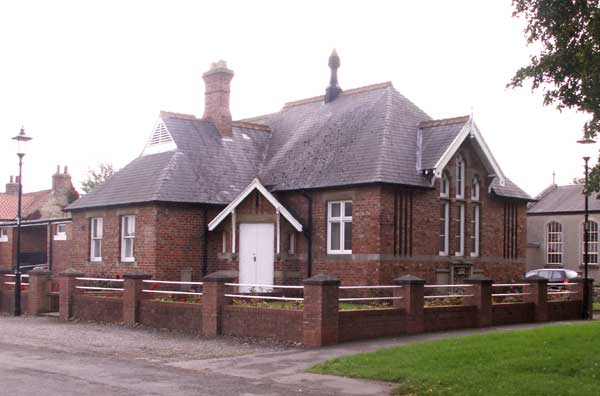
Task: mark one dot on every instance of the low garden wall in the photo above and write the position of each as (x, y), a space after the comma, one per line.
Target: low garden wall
(180, 316)
(450, 318)
(7, 301)
(512, 313)
(279, 324)
(564, 310)
(98, 308)
(373, 323)
(320, 317)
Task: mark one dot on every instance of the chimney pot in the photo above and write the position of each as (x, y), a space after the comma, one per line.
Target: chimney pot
(66, 170)
(12, 187)
(216, 97)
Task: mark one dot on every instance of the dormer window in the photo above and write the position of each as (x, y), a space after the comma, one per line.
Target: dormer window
(475, 189)
(460, 177)
(445, 186)
(160, 140)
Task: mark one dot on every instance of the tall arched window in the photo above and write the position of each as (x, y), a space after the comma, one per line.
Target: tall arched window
(460, 177)
(554, 242)
(475, 188)
(445, 185)
(592, 242)
(444, 240)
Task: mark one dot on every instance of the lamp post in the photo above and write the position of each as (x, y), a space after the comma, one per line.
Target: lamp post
(586, 232)
(21, 139)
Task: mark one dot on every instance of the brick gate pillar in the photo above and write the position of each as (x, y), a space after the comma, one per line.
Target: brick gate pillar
(132, 295)
(481, 292)
(413, 302)
(320, 324)
(39, 286)
(67, 284)
(213, 300)
(538, 295)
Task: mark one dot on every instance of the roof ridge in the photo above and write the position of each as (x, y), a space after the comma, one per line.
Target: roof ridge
(182, 116)
(259, 117)
(250, 125)
(444, 121)
(351, 91)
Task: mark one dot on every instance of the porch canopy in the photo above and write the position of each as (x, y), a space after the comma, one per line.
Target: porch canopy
(255, 185)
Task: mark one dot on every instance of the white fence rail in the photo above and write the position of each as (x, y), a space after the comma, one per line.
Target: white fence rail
(100, 288)
(172, 292)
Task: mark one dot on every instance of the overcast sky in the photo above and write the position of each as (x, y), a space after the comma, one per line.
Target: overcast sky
(88, 79)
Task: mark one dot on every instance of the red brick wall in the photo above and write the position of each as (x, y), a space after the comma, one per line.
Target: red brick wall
(7, 301)
(450, 318)
(169, 239)
(512, 313)
(7, 251)
(61, 249)
(564, 310)
(373, 323)
(280, 324)
(184, 317)
(98, 309)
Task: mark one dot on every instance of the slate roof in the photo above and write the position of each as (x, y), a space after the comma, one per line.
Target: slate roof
(510, 190)
(437, 135)
(563, 199)
(8, 204)
(204, 168)
(365, 135)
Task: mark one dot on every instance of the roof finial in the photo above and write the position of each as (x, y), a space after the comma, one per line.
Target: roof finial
(333, 90)
(553, 178)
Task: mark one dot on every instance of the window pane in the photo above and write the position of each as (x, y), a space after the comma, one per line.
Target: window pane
(128, 248)
(347, 235)
(348, 209)
(96, 248)
(335, 236)
(335, 209)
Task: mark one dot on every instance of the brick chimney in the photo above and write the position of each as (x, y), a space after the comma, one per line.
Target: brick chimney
(12, 187)
(216, 97)
(61, 182)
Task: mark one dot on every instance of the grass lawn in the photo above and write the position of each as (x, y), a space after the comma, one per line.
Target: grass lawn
(555, 360)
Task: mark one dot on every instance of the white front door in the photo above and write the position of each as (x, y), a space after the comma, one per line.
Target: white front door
(256, 255)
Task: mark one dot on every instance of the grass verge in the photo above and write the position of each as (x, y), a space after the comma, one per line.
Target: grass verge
(554, 360)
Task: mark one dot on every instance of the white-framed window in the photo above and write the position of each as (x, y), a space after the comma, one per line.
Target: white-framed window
(460, 177)
(3, 234)
(224, 242)
(475, 187)
(292, 243)
(127, 238)
(592, 242)
(61, 232)
(445, 185)
(460, 229)
(444, 227)
(96, 232)
(554, 242)
(475, 231)
(339, 227)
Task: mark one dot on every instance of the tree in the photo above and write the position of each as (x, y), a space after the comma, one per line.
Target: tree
(97, 176)
(567, 66)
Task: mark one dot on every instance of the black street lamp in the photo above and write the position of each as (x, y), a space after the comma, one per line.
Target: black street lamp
(21, 139)
(586, 233)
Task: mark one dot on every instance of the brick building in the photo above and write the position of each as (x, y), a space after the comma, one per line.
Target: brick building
(46, 229)
(358, 183)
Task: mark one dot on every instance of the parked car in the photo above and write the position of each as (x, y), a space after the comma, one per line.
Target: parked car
(553, 275)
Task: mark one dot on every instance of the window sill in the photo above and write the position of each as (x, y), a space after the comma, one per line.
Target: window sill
(443, 254)
(127, 261)
(60, 237)
(96, 261)
(474, 254)
(339, 253)
(3, 240)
